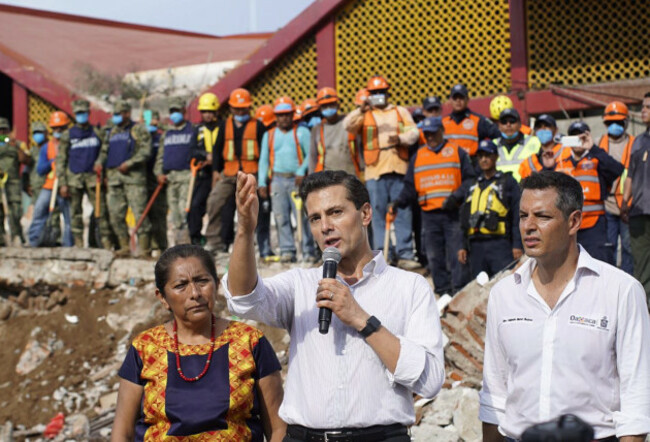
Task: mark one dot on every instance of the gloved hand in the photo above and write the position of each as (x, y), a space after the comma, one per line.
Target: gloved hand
(451, 203)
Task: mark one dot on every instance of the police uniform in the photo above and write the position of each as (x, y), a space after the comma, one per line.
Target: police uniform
(434, 178)
(158, 212)
(10, 160)
(513, 152)
(129, 144)
(596, 171)
(490, 220)
(177, 146)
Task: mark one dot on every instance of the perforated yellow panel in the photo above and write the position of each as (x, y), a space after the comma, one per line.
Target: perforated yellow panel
(293, 75)
(39, 109)
(423, 47)
(587, 41)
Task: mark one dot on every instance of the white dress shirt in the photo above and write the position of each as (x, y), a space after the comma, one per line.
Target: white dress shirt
(589, 355)
(337, 380)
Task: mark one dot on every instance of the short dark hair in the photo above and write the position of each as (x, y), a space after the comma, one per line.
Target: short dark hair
(569, 191)
(357, 192)
(647, 95)
(169, 257)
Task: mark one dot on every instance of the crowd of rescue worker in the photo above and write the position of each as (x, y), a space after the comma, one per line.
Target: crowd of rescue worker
(447, 184)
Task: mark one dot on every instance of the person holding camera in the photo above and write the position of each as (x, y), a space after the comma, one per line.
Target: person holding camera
(489, 217)
(565, 333)
(386, 132)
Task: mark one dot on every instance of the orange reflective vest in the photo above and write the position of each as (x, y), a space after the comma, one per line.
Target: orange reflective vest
(526, 130)
(436, 175)
(370, 139)
(250, 151)
(465, 133)
(272, 152)
(586, 173)
(617, 187)
(52, 150)
(352, 144)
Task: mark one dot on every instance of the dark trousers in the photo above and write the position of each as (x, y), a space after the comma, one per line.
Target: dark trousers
(442, 240)
(594, 240)
(198, 208)
(402, 438)
(228, 221)
(489, 255)
(640, 240)
(386, 433)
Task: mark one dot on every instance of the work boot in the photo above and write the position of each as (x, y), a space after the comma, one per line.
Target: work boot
(124, 250)
(78, 241)
(144, 246)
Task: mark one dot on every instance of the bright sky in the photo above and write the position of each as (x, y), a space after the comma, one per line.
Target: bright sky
(216, 17)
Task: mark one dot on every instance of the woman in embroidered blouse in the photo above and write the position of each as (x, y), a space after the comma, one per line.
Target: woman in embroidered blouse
(197, 377)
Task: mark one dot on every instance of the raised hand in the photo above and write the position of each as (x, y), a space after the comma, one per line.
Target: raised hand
(248, 204)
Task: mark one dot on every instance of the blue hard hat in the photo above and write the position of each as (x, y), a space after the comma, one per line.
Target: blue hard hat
(487, 146)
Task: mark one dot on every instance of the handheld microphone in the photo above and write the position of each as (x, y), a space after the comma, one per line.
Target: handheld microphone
(331, 258)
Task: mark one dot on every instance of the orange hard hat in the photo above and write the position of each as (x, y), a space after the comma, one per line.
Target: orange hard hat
(58, 119)
(327, 95)
(299, 113)
(377, 83)
(361, 96)
(265, 114)
(283, 105)
(309, 106)
(240, 98)
(615, 111)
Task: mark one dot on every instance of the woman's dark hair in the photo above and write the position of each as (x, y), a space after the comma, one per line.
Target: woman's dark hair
(569, 191)
(357, 192)
(170, 256)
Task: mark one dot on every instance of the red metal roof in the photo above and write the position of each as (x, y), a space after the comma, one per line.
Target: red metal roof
(50, 46)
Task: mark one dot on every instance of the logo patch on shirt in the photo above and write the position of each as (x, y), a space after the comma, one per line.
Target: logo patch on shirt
(600, 324)
(447, 151)
(587, 165)
(468, 124)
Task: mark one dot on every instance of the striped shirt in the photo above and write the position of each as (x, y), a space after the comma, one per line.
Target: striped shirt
(336, 380)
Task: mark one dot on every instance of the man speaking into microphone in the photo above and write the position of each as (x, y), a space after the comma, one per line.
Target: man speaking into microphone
(356, 379)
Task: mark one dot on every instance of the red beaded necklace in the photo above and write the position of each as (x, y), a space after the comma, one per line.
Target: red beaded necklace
(178, 356)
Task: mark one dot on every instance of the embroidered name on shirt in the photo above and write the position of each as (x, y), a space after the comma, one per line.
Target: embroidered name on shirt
(82, 143)
(177, 139)
(518, 319)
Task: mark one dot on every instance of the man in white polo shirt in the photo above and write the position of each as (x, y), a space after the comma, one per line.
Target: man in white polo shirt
(566, 333)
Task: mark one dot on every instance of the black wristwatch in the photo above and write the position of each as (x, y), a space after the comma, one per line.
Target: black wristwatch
(372, 325)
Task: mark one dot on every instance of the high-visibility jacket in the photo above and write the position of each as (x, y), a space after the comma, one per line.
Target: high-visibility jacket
(52, 150)
(352, 145)
(436, 175)
(586, 173)
(617, 187)
(208, 137)
(370, 139)
(481, 203)
(464, 134)
(250, 150)
(509, 161)
(272, 152)
(532, 164)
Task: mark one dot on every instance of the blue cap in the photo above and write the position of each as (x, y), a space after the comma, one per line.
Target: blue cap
(545, 119)
(487, 146)
(459, 89)
(432, 124)
(431, 103)
(417, 114)
(509, 113)
(578, 127)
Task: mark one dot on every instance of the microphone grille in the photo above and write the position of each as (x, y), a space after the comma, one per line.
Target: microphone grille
(332, 254)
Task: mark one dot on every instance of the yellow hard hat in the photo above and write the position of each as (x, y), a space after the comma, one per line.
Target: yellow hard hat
(208, 102)
(498, 105)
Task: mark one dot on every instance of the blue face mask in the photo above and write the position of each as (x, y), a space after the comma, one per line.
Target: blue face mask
(117, 119)
(328, 112)
(615, 130)
(81, 117)
(176, 117)
(38, 137)
(314, 121)
(545, 136)
(151, 128)
(509, 137)
(56, 135)
(419, 125)
(242, 118)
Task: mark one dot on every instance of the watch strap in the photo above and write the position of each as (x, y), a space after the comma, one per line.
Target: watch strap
(372, 325)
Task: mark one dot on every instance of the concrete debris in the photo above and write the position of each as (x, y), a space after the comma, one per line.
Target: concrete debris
(466, 416)
(33, 356)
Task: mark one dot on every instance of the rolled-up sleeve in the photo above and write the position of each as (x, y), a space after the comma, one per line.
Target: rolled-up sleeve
(421, 365)
(492, 397)
(411, 133)
(353, 122)
(271, 302)
(633, 363)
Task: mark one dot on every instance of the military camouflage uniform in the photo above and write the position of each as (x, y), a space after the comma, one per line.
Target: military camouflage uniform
(80, 183)
(158, 212)
(128, 189)
(12, 154)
